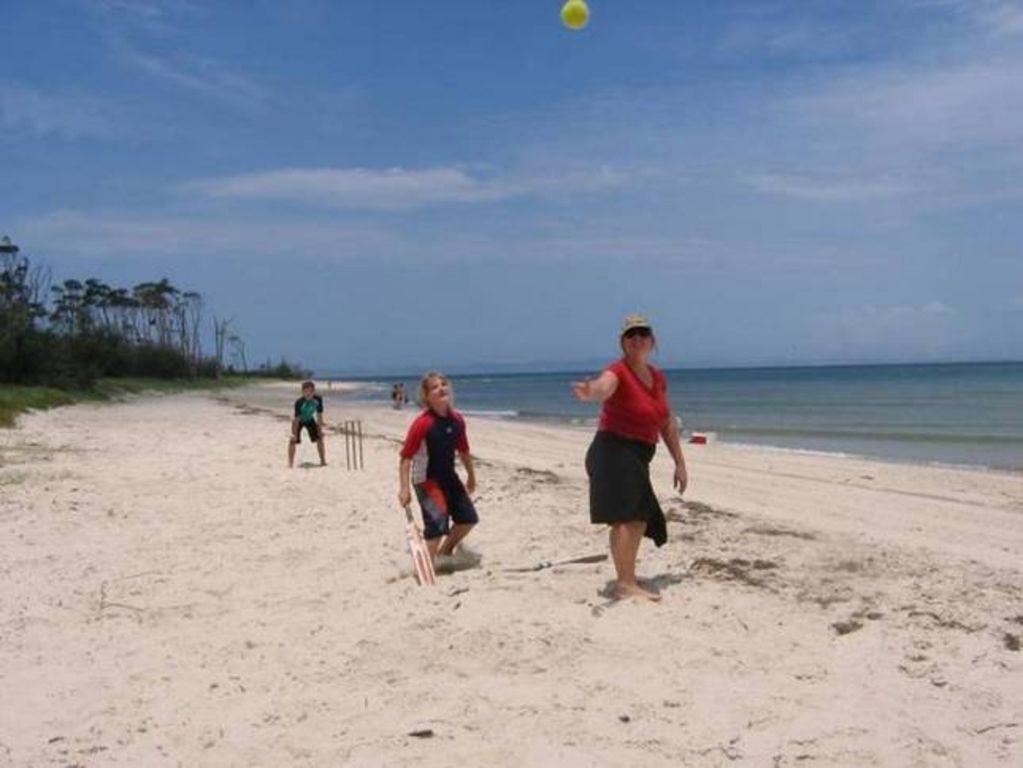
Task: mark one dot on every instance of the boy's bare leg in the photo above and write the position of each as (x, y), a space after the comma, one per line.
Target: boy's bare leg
(323, 452)
(433, 545)
(291, 454)
(458, 532)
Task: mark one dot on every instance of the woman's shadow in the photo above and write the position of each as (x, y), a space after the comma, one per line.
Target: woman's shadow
(656, 584)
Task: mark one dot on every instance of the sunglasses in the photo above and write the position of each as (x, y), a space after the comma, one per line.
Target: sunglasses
(643, 333)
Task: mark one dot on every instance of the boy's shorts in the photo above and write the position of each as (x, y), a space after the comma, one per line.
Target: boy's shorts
(311, 427)
(442, 503)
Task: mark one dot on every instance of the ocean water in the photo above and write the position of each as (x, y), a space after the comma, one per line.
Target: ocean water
(967, 414)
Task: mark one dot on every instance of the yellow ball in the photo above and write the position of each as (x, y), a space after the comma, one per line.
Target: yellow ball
(575, 14)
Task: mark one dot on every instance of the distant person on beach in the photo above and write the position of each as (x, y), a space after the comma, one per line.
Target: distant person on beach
(398, 396)
(308, 416)
(635, 413)
(428, 466)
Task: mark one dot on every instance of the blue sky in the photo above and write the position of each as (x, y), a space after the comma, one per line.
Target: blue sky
(394, 185)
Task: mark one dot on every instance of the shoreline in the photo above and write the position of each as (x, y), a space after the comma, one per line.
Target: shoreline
(173, 594)
(588, 424)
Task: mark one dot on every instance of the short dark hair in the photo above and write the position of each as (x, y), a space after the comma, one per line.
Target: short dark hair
(308, 385)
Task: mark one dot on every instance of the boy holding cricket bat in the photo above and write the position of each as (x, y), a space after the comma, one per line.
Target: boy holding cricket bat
(428, 466)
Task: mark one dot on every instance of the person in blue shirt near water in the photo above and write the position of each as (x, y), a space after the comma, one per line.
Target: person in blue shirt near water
(308, 416)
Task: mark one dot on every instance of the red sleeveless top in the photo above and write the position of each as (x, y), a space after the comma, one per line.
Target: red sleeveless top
(636, 411)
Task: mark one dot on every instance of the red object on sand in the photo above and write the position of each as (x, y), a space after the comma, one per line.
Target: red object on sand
(698, 438)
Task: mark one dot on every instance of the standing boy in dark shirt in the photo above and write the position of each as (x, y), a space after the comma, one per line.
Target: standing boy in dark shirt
(308, 416)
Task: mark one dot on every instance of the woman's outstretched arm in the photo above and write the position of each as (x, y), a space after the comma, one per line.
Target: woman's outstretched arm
(596, 390)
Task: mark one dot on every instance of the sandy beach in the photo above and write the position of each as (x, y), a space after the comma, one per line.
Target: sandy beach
(172, 595)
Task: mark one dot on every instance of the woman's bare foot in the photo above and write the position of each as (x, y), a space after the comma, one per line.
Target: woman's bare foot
(634, 592)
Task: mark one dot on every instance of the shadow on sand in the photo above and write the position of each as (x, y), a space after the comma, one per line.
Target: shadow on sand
(656, 584)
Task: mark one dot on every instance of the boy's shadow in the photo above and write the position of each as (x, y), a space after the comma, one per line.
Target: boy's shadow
(309, 465)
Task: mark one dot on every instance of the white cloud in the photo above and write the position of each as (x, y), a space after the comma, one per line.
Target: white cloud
(395, 188)
(955, 106)
(68, 114)
(282, 234)
(199, 75)
(999, 17)
(929, 330)
(1004, 18)
(125, 24)
(902, 311)
(763, 30)
(123, 236)
(826, 189)
(149, 15)
(134, 9)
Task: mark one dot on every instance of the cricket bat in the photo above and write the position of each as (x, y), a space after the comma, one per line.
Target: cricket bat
(422, 563)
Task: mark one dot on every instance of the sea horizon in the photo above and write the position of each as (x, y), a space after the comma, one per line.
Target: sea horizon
(583, 366)
(960, 414)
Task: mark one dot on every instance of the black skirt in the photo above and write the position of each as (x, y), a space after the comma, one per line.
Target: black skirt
(620, 490)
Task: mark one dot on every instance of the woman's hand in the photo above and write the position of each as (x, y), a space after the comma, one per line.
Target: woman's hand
(681, 478)
(596, 390)
(404, 497)
(470, 485)
(582, 390)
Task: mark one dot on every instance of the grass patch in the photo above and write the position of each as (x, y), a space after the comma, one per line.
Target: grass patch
(113, 388)
(16, 399)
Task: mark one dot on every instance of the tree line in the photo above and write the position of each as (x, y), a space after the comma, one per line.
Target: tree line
(69, 334)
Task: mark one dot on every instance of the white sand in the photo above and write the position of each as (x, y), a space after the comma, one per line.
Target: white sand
(170, 594)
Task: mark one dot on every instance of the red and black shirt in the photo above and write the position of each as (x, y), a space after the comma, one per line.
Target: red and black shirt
(431, 443)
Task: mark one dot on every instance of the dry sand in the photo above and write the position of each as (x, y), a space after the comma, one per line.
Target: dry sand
(171, 594)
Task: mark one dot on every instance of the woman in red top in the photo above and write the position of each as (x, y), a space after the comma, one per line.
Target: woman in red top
(635, 414)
